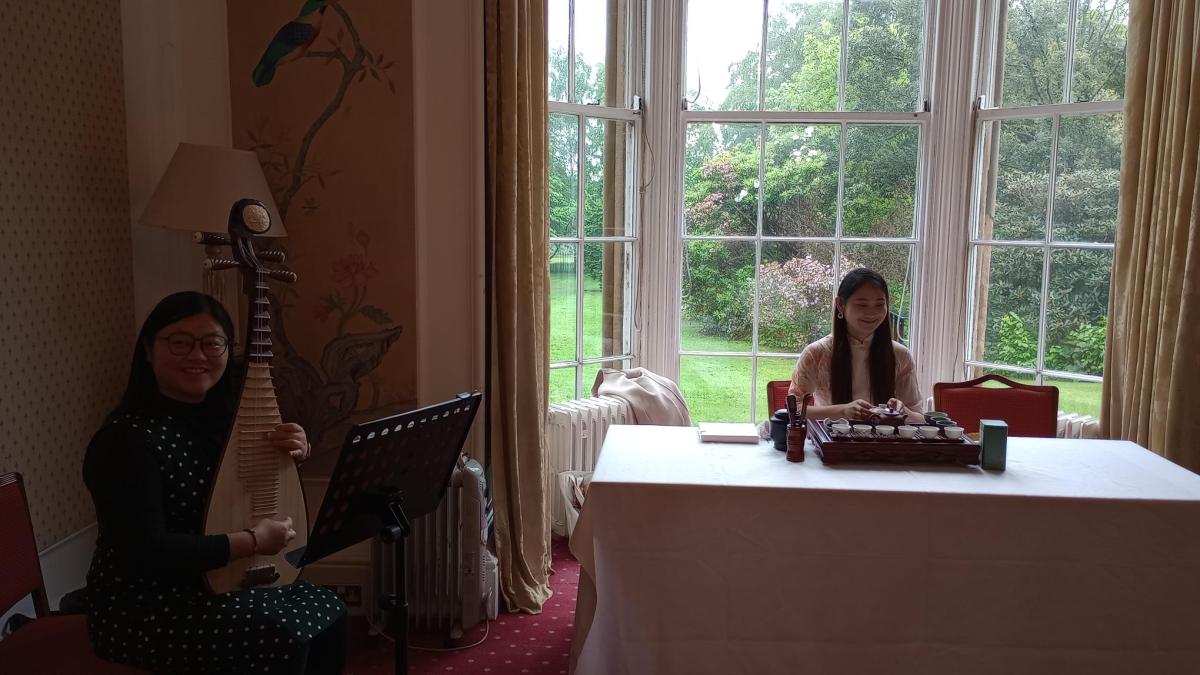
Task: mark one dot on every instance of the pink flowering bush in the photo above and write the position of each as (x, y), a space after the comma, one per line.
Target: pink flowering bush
(795, 301)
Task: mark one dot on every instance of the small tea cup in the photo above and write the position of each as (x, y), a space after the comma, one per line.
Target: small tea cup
(907, 431)
(862, 430)
(929, 431)
(884, 430)
(953, 433)
(840, 428)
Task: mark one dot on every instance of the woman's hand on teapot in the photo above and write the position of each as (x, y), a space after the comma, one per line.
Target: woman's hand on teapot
(898, 406)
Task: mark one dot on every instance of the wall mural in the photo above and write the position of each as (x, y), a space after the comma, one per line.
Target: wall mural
(328, 110)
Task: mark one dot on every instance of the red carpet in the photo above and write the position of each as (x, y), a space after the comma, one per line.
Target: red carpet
(516, 643)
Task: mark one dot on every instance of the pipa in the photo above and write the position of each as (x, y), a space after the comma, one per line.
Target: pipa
(254, 479)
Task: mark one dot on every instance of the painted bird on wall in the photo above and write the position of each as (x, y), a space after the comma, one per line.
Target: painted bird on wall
(292, 41)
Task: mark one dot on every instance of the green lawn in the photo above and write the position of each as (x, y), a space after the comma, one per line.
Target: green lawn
(717, 388)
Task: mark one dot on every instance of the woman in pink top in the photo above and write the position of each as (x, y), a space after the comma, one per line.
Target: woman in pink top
(859, 366)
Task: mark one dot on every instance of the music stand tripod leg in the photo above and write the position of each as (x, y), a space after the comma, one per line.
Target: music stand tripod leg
(395, 535)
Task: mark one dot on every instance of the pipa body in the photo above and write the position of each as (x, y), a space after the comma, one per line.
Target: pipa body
(254, 478)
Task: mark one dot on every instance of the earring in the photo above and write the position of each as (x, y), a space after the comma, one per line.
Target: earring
(841, 316)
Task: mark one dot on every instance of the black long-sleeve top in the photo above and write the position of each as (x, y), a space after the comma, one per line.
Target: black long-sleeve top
(124, 470)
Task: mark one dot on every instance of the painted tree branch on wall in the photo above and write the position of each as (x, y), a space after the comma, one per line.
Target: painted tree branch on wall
(322, 396)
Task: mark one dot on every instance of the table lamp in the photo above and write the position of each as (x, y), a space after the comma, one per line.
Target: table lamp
(197, 193)
(200, 185)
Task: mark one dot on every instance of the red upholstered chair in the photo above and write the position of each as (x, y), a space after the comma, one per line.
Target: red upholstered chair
(777, 391)
(1029, 410)
(50, 644)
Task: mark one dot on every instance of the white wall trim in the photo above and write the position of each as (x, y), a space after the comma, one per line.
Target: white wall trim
(448, 209)
(176, 61)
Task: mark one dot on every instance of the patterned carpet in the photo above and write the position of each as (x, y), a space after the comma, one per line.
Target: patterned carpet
(515, 643)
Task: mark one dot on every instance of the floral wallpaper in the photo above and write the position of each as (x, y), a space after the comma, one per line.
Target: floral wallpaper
(321, 90)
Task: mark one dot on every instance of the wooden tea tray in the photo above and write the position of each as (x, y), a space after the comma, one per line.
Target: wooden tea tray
(891, 449)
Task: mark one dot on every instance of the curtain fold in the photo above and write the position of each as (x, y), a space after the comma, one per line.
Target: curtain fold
(519, 284)
(1152, 368)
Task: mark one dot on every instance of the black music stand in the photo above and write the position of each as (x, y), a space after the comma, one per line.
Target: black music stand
(390, 471)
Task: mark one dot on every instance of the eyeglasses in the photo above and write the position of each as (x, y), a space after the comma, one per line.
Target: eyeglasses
(182, 344)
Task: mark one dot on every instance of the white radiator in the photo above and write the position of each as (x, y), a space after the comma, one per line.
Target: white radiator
(1072, 425)
(575, 432)
(451, 578)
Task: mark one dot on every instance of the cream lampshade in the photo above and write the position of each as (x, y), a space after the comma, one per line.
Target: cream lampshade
(201, 184)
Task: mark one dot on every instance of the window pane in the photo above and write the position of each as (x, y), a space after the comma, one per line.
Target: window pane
(1087, 179)
(1007, 305)
(1034, 55)
(1015, 185)
(722, 51)
(591, 35)
(720, 190)
(1082, 398)
(563, 292)
(769, 370)
(606, 207)
(884, 55)
(562, 384)
(1100, 37)
(804, 43)
(605, 295)
(881, 181)
(564, 175)
(1077, 310)
(795, 299)
(718, 301)
(800, 196)
(894, 262)
(716, 388)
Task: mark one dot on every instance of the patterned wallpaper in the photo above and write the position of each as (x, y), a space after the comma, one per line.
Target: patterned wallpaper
(65, 284)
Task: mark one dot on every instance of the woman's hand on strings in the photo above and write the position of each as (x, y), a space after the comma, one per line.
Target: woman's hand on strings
(272, 535)
(290, 438)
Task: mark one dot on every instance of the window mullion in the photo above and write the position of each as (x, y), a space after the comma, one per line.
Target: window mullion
(580, 248)
(844, 56)
(571, 51)
(1069, 61)
(838, 229)
(1047, 237)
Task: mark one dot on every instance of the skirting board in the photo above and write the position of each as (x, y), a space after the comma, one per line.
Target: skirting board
(64, 568)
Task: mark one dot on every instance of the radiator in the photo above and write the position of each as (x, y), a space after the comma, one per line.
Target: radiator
(1071, 425)
(575, 432)
(451, 578)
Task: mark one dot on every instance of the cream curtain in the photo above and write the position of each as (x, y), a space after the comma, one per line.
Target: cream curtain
(519, 283)
(1152, 368)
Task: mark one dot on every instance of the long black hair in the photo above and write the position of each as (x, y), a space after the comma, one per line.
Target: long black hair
(881, 360)
(142, 390)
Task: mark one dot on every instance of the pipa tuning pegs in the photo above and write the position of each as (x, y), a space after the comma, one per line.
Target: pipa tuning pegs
(215, 264)
(278, 257)
(210, 239)
(286, 276)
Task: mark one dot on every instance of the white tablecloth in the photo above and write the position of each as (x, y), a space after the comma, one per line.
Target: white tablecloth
(1082, 557)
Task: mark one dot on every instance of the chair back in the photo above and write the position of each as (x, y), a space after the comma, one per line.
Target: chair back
(20, 568)
(777, 391)
(1029, 410)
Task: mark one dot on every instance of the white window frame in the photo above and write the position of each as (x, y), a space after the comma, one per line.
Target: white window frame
(631, 114)
(986, 114)
(942, 202)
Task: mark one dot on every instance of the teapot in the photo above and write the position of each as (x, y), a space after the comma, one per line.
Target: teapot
(886, 416)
